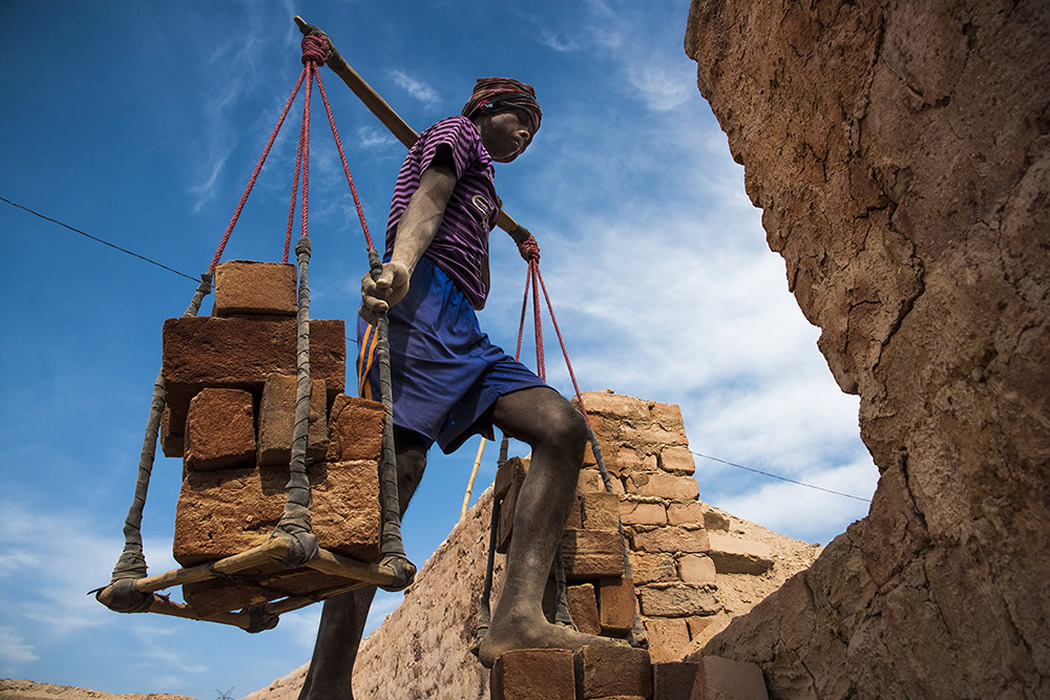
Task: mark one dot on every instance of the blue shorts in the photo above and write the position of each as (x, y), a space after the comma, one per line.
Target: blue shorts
(445, 372)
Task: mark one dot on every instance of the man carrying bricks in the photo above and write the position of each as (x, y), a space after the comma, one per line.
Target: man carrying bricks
(449, 381)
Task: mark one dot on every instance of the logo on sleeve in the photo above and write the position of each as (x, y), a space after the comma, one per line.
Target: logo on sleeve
(482, 205)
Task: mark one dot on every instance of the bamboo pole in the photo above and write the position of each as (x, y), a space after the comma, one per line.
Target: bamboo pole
(379, 107)
(473, 475)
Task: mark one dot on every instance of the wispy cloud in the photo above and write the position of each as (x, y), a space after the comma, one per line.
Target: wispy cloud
(372, 137)
(15, 651)
(415, 87)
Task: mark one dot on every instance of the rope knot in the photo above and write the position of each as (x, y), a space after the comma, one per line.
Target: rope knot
(316, 49)
(529, 249)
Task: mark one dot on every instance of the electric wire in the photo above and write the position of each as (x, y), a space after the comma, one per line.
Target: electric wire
(98, 240)
(781, 478)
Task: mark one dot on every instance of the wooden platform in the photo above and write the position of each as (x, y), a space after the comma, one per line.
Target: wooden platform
(255, 587)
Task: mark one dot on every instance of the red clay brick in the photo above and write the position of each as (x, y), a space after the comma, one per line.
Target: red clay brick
(674, 680)
(720, 679)
(575, 519)
(696, 568)
(225, 512)
(668, 638)
(220, 430)
(590, 554)
(607, 403)
(533, 674)
(678, 600)
(253, 288)
(663, 485)
(647, 568)
(671, 539)
(667, 415)
(277, 421)
(678, 460)
(604, 671)
(239, 353)
(600, 510)
(513, 477)
(616, 605)
(355, 429)
(172, 432)
(583, 607)
(688, 513)
(636, 513)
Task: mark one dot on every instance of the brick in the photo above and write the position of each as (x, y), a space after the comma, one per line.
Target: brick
(513, 477)
(678, 460)
(663, 485)
(696, 568)
(671, 539)
(718, 678)
(253, 288)
(220, 430)
(636, 513)
(678, 600)
(355, 429)
(652, 438)
(623, 460)
(277, 421)
(688, 513)
(592, 554)
(616, 605)
(649, 568)
(604, 671)
(668, 638)
(239, 353)
(575, 519)
(607, 403)
(510, 474)
(228, 511)
(715, 519)
(674, 680)
(600, 511)
(533, 674)
(704, 626)
(172, 432)
(583, 607)
(589, 481)
(667, 415)
(736, 556)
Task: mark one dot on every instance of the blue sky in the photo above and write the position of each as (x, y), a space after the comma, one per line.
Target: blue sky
(140, 123)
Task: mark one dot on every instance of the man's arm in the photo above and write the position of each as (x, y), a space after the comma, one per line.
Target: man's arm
(415, 231)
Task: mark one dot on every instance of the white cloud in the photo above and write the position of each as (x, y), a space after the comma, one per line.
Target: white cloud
(15, 651)
(415, 87)
(778, 505)
(663, 87)
(372, 137)
(301, 626)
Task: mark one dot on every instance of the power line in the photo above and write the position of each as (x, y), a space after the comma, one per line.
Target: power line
(99, 240)
(781, 478)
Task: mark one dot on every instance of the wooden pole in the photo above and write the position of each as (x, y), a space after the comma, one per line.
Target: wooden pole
(379, 107)
(473, 475)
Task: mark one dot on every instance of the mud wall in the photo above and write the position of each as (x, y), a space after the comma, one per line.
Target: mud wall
(900, 153)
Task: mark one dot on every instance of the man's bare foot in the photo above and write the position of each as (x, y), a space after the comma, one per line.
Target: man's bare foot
(522, 634)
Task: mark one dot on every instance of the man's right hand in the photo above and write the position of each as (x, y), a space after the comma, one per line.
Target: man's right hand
(377, 296)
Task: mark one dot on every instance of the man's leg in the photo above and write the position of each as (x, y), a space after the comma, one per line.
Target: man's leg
(343, 617)
(557, 434)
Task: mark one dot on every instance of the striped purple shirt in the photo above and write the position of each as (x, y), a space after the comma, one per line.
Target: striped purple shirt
(462, 241)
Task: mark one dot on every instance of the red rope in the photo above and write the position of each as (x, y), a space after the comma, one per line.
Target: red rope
(346, 168)
(294, 198)
(568, 364)
(310, 69)
(524, 305)
(255, 174)
(541, 365)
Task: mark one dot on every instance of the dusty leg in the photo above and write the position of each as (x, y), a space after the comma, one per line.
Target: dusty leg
(557, 434)
(343, 617)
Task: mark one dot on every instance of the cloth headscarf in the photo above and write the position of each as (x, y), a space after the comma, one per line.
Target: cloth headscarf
(499, 95)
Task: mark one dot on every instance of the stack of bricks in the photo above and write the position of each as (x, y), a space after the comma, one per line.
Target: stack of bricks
(620, 673)
(672, 585)
(231, 391)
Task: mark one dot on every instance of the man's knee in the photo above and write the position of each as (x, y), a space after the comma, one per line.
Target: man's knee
(568, 427)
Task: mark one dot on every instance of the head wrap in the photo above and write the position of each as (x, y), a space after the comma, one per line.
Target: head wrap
(499, 95)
